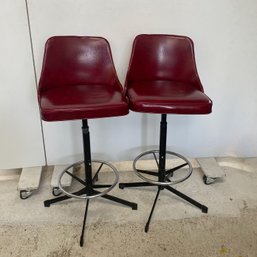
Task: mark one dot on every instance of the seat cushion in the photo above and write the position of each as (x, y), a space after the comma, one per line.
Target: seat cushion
(167, 97)
(82, 102)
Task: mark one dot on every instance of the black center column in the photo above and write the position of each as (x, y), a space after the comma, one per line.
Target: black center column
(88, 173)
(161, 165)
(87, 157)
(162, 149)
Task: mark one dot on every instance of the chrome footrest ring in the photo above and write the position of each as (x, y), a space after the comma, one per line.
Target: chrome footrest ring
(168, 176)
(89, 196)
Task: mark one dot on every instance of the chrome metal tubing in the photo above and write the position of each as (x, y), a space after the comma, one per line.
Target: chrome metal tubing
(162, 183)
(88, 196)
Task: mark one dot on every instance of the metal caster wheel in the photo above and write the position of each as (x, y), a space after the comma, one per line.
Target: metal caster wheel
(56, 191)
(208, 180)
(24, 194)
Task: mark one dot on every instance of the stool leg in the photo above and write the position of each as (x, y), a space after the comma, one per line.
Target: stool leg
(136, 184)
(84, 224)
(150, 217)
(118, 200)
(47, 203)
(187, 198)
(95, 178)
(101, 186)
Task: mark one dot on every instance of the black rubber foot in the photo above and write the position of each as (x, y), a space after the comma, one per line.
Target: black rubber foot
(46, 204)
(204, 209)
(134, 207)
(81, 242)
(146, 228)
(121, 186)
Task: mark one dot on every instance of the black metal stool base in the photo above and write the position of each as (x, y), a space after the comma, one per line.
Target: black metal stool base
(164, 177)
(49, 202)
(90, 192)
(90, 187)
(202, 207)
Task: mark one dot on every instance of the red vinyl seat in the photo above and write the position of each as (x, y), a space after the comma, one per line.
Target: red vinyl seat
(162, 77)
(79, 81)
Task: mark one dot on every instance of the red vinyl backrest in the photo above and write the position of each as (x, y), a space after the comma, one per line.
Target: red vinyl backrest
(74, 60)
(163, 57)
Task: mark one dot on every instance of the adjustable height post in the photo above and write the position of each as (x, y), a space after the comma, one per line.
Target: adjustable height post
(162, 147)
(87, 157)
(88, 172)
(161, 164)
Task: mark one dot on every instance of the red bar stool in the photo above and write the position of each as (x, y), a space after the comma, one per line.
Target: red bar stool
(79, 81)
(162, 78)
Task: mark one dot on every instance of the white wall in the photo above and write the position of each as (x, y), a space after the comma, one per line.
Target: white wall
(225, 37)
(20, 131)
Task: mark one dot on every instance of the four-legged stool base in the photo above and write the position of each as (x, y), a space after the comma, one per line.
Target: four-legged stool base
(89, 191)
(166, 178)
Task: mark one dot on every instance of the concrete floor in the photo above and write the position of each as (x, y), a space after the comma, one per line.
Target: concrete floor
(27, 228)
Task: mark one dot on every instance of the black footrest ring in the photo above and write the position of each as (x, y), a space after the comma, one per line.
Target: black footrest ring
(89, 196)
(165, 183)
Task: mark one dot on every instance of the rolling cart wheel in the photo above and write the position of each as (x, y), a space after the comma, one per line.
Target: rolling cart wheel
(208, 180)
(56, 191)
(24, 194)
